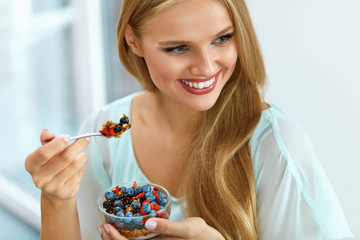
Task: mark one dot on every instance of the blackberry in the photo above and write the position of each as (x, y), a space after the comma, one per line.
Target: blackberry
(107, 205)
(136, 206)
(117, 128)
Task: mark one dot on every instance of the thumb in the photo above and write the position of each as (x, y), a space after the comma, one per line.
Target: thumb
(164, 226)
(46, 136)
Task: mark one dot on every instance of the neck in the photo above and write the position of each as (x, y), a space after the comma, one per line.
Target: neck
(179, 119)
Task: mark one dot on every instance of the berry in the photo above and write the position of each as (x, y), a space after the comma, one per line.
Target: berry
(138, 189)
(123, 191)
(117, 128)
(152, 213)
(118, 203)
(110, 196)
(124, 120)
(146, 208)
(136, 206)
(146, 188)
(130, 191)
(151, 197)
(162, 200)
(118, 209)
(120, 214)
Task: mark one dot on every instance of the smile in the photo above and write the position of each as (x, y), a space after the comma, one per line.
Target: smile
(199, 85)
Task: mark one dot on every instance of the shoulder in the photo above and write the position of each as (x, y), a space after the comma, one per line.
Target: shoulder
(294, 197)
(279, 134)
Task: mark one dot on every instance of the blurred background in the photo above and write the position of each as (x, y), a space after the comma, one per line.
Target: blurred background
(59, 63)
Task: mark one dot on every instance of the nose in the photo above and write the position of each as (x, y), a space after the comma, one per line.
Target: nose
(204, 64)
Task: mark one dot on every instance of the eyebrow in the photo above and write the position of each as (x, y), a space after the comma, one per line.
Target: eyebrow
(176, 42)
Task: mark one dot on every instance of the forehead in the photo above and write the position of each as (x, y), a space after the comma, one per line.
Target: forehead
(189, 18)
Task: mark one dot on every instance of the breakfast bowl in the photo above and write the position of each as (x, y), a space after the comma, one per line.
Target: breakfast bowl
(127, 207)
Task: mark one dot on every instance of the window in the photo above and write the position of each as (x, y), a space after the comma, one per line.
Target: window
(59, 63)
(45, 59)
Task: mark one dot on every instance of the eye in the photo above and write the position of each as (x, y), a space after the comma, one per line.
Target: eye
(223, 39)
(177, 49)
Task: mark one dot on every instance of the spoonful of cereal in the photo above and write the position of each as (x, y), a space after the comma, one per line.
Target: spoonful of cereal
(109, 129)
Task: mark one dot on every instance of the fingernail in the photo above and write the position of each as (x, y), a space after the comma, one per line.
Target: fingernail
(106, 229)
(151, 225)
(67, 138)
(99, 229)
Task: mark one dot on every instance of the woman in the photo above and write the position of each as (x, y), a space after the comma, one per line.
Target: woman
(237, 167)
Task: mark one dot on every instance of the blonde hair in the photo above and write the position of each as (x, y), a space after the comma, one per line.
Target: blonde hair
(218, 175)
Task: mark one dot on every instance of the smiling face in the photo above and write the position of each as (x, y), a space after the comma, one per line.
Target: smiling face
(190, 52)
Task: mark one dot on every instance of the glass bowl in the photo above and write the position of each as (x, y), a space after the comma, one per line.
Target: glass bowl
(129, 218)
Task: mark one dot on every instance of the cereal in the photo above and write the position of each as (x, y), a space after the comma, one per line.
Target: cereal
(128, 208)
(111, 129)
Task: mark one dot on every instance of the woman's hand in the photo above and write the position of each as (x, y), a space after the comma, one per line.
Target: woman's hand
(56, 168)
(190, 228)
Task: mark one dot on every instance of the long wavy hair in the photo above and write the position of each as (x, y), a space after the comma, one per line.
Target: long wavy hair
(218, 178)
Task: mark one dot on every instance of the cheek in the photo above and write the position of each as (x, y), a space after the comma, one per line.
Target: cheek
(230, 56)
(161, 68)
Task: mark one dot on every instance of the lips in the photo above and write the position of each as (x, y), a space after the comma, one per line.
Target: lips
(200, 86)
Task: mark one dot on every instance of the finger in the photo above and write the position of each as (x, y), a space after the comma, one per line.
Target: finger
(66, 183)
(188, 228)
(164, 237)
(63, 159)
(108, 232)
(164, 226)
(44, 153)
(46, 136)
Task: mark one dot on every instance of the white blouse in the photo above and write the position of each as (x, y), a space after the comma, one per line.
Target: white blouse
(294, 197)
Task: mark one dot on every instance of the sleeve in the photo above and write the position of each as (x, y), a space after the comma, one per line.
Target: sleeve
(294, 197)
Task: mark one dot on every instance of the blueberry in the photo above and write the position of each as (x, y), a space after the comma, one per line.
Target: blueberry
(118, 209)
(138, 189)
(117, 128)
(159, 192)
(119, 224)
(120, 214)
(152, 213)
(129, 215)
(162, 200)
(124, 120)
(130, 191)
(153, 203)
(118, 203)
(110, 196)
(151, 197)
(147, 208)
(146, 188)
(137, 219)
(123, 191)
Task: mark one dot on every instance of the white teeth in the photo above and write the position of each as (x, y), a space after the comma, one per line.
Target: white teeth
(200, 85)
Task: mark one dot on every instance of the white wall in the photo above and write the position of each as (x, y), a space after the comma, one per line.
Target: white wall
(312, 54)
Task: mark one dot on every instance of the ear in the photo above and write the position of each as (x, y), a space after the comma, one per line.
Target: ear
(133, 41)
